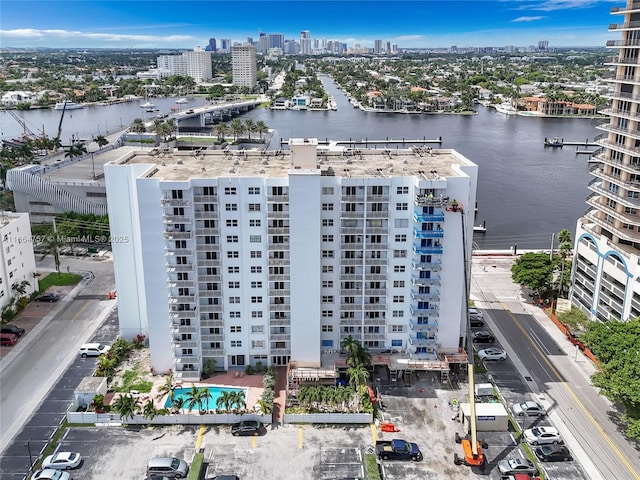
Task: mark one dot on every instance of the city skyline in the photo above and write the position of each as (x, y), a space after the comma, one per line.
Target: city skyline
(409, 24)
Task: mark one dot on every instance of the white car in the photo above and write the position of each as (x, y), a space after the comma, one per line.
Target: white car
(542, 435)
(93, 349)
(474, 312)
(62, 461)
(50, 474)
(492, 354)
(530, 409)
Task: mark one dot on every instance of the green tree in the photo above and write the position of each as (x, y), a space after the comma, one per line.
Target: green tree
(236, 127)
(239, 400)
(358, 376)
(101, 141)
(167, 387)
(76, 149)
(617, 347)
(249, 126)
(20, 287)
(261, 128)
(51, 245)
(225, 401)
(149, 410)
(138, 126)
(221, 130)
(535, 270)
(197, 397)
(126, 406)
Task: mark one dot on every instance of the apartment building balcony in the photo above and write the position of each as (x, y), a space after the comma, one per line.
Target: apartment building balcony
(430, 250)
(278, 261)
(176, 219)
(424, 311)
(180, 283)
(618, 113)
(431, 327)
(174, 312)
(205, 215)
(278, 198)
(210, 308)
(177, 328)
(278, 246)
(592, 200)
(352, 214)
(207, 231)
(376, 246)
(211, 323)
(271, 214)
(418, 281)
(624, 234)
(279, 307)
(596, 186)
(428, 218)
(374, 231)
(279, 322)
(278, 230)
(279, 278)
(210, 293)
(354, 292)
(207, 247)
(620, 60)
(417, 233)
(432, 296)
(377, 292)
(433, 266)
(377, 214)
(279, 292)
(618, 95)
(170, 251)
(614, 78)
(352, 261)
(375, 261)
(211, 338)
(419, 341)
(622, 43)
(205, 199)
(185, 267)
(431, 201)
(275, 337)
(178, 235)
(624, 26)
(209, 278)
(380, 336)
(620, 147)
(377, 198)
(357, 246)
(379, 307)
(188, 375)
(175, 202)
(628, 132)
(180, 359)
(179, 343)
(212, 352)
(207, 262)
(352, 230)
(634, 7)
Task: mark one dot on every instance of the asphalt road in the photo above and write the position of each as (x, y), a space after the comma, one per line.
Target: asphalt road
(43, 355)
(552, 373)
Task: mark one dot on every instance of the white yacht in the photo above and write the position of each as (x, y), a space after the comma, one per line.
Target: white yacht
(67, 105)
(147, 104)
(506, 108)
(182, 100)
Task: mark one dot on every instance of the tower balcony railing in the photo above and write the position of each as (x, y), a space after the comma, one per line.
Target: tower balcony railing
(630, 8)
(210, 294)
(179, 314)
(278, 198)
(177, 235)
(206, 215)
(207, 231)
(427, 250)
(183, 267)
(209, 262)
(278, 230)
(176, 219)
(209, 278)
(432, 296)
(422, 342)
(280, 351)
(622, 43)
(422, 311)
(432, 326)
(620, 147)
(181, 298)
(205, 199)
(428, 233)
(279, 321)
(180, 283)
(617, 95)
(428, 217)
(182, 359)
(434, 266)
(624, 26)
(431, 201)
(279, 292)
(278, 246)
(178, 343)
(607, 127)
(176, 327)
(175, 202)
(272, 214)
(210, 308)
(212, 352)
(433, 281)
(619, 60)
(375, 261)
(211, 323)
(169, 250)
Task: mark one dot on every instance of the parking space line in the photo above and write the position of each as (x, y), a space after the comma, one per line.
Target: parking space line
(200, 436)
(254, 441)
(374, 433)
(299, 437)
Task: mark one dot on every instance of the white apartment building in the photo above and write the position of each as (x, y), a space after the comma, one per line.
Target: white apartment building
(17, 261)
(195, 64)
(250, 256)
(244, 67)
(606, 267)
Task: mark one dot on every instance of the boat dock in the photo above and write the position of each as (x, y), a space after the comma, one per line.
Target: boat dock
(366, 141)
(586, 143)
(586, 152)
(480, 228)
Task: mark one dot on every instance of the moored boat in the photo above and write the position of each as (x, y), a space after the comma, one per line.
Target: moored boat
(506, 108)
(553, 142)
(67, 105)
(182, 100)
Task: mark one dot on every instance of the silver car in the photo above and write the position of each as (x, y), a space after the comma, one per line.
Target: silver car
(530, 409)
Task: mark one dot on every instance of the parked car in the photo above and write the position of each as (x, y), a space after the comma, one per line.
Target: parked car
(51, 474)
(93, 349)
(474, 312)
(553, 453)
(48, 297)
(530, 409)
(398, 449)
(542, 435)
(476, 323)
(62, 461)
(483, 337)
(225, 477)
(492, 354)
(517, 465)
(10, 328)
(167, 467)
(8, 339)
(248, 427)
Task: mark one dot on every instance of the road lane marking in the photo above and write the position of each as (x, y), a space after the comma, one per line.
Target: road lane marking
(200, 436)
(84, 305)
(254, 441)
(299, 437)
(374, 433)
(564, 384)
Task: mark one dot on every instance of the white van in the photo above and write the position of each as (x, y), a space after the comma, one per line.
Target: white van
(167, 467)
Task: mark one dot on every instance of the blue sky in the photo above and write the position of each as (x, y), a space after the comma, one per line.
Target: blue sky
(409, 24)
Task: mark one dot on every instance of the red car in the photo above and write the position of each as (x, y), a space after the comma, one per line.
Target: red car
(8, 339)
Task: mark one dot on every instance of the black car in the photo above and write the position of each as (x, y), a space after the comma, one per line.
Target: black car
(476, 323)
(553, 453)
(9, 328)
(48, 297)
(248, 428)
(483, 337)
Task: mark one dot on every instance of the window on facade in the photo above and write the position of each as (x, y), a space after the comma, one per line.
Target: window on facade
(398, 283)
(327, 284)
(399, 254)
(256, 284)
(256, 299)
(398, 299)
(327, 313)
(233, 269)
(327, 190)
(327, 207)
(233, 254)
(257, 328)
(234, 314)
(327, 299)
(255, 238)
(254, 207)
(232, 223)
(398, 314)
(327, 222)
(401, 238)
(234, 284)
(231, 207)
(235, 328)
(327, 238)
(234, 299)
(236, 343)
(327, 269)
(256, 314)
(256, 269)
(401, 223)
(327, 328)
(402, 190)
(255, 223)
(230, 190)
(327, 254)
(256, 254)
(399, 268)
(254, 190)
(257, 343)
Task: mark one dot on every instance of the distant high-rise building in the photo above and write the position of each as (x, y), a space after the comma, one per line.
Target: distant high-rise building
(377, 46)
(543, 45)
(225, 45)
(276, 40)
(394, 48)
(244, 65)
(606, 263)
(195, 64)
(388, 47)
(211, 47)
(249, 40)
(305, 42)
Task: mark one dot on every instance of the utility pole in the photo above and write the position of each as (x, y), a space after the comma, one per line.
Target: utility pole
(553, 235)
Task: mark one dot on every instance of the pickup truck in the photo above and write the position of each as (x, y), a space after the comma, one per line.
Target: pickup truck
(397, 449)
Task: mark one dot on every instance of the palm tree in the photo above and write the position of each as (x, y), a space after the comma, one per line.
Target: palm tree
(177, 404)
(265, 407)
(564, 239)
(225, 401)
(101, 141)
(125, 406)
(149, 410)
(350, 345)
(236, 127)
(221, 130)
(21, 287)
(167, 387)
(261, 127)
(138, 126)
(76, 149)
(50, 245)
(197, 397)
(239, 400)
(249, 126)
(358, 376)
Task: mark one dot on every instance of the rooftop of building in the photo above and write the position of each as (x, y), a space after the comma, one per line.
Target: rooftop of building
(332, 159)
(6, 217)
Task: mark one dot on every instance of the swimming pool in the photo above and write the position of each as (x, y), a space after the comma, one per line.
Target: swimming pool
(209, 403)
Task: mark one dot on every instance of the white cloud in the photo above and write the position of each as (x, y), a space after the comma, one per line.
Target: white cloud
(79, 38)
(527, 19)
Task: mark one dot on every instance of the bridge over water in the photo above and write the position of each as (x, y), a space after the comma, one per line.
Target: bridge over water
(201, 117)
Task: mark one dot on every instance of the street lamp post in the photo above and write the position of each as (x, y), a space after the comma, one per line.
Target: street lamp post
(28, 445)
